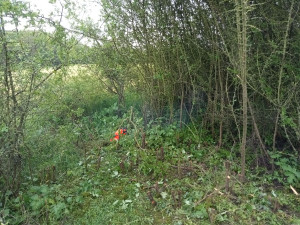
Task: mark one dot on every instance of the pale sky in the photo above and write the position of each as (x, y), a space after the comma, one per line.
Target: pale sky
(84, 9)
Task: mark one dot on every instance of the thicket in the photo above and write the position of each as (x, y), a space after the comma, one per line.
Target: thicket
(207, 90)
(231, 63)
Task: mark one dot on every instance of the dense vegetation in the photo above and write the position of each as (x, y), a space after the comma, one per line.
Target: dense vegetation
(208, 91)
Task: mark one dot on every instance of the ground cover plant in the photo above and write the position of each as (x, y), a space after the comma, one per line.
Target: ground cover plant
(176, 178)
(208, 92)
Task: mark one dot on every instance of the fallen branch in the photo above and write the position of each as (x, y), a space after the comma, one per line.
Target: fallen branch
(295, 192)
(205, 197)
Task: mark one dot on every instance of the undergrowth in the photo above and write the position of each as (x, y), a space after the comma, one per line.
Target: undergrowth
(178, 178)
(158, 173)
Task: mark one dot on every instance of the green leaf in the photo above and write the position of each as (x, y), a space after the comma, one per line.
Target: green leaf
(187, 202)
(5, 213)
(297, 174)
(44, 189)
(58, 209)
(115, 202)
(4, 129)
(51, 201)
(69, 200)
(291, 179)
(37, 203)
(201, 212)
(163, 195)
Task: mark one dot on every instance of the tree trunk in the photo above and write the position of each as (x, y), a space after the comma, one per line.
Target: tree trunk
(279, 105)
(242, 20)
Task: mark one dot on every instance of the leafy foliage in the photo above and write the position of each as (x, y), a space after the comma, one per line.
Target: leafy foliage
(288, 168)
(92, 187)
(168, 71)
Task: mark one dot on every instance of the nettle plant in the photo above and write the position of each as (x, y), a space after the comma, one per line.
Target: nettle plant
(289, 168)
